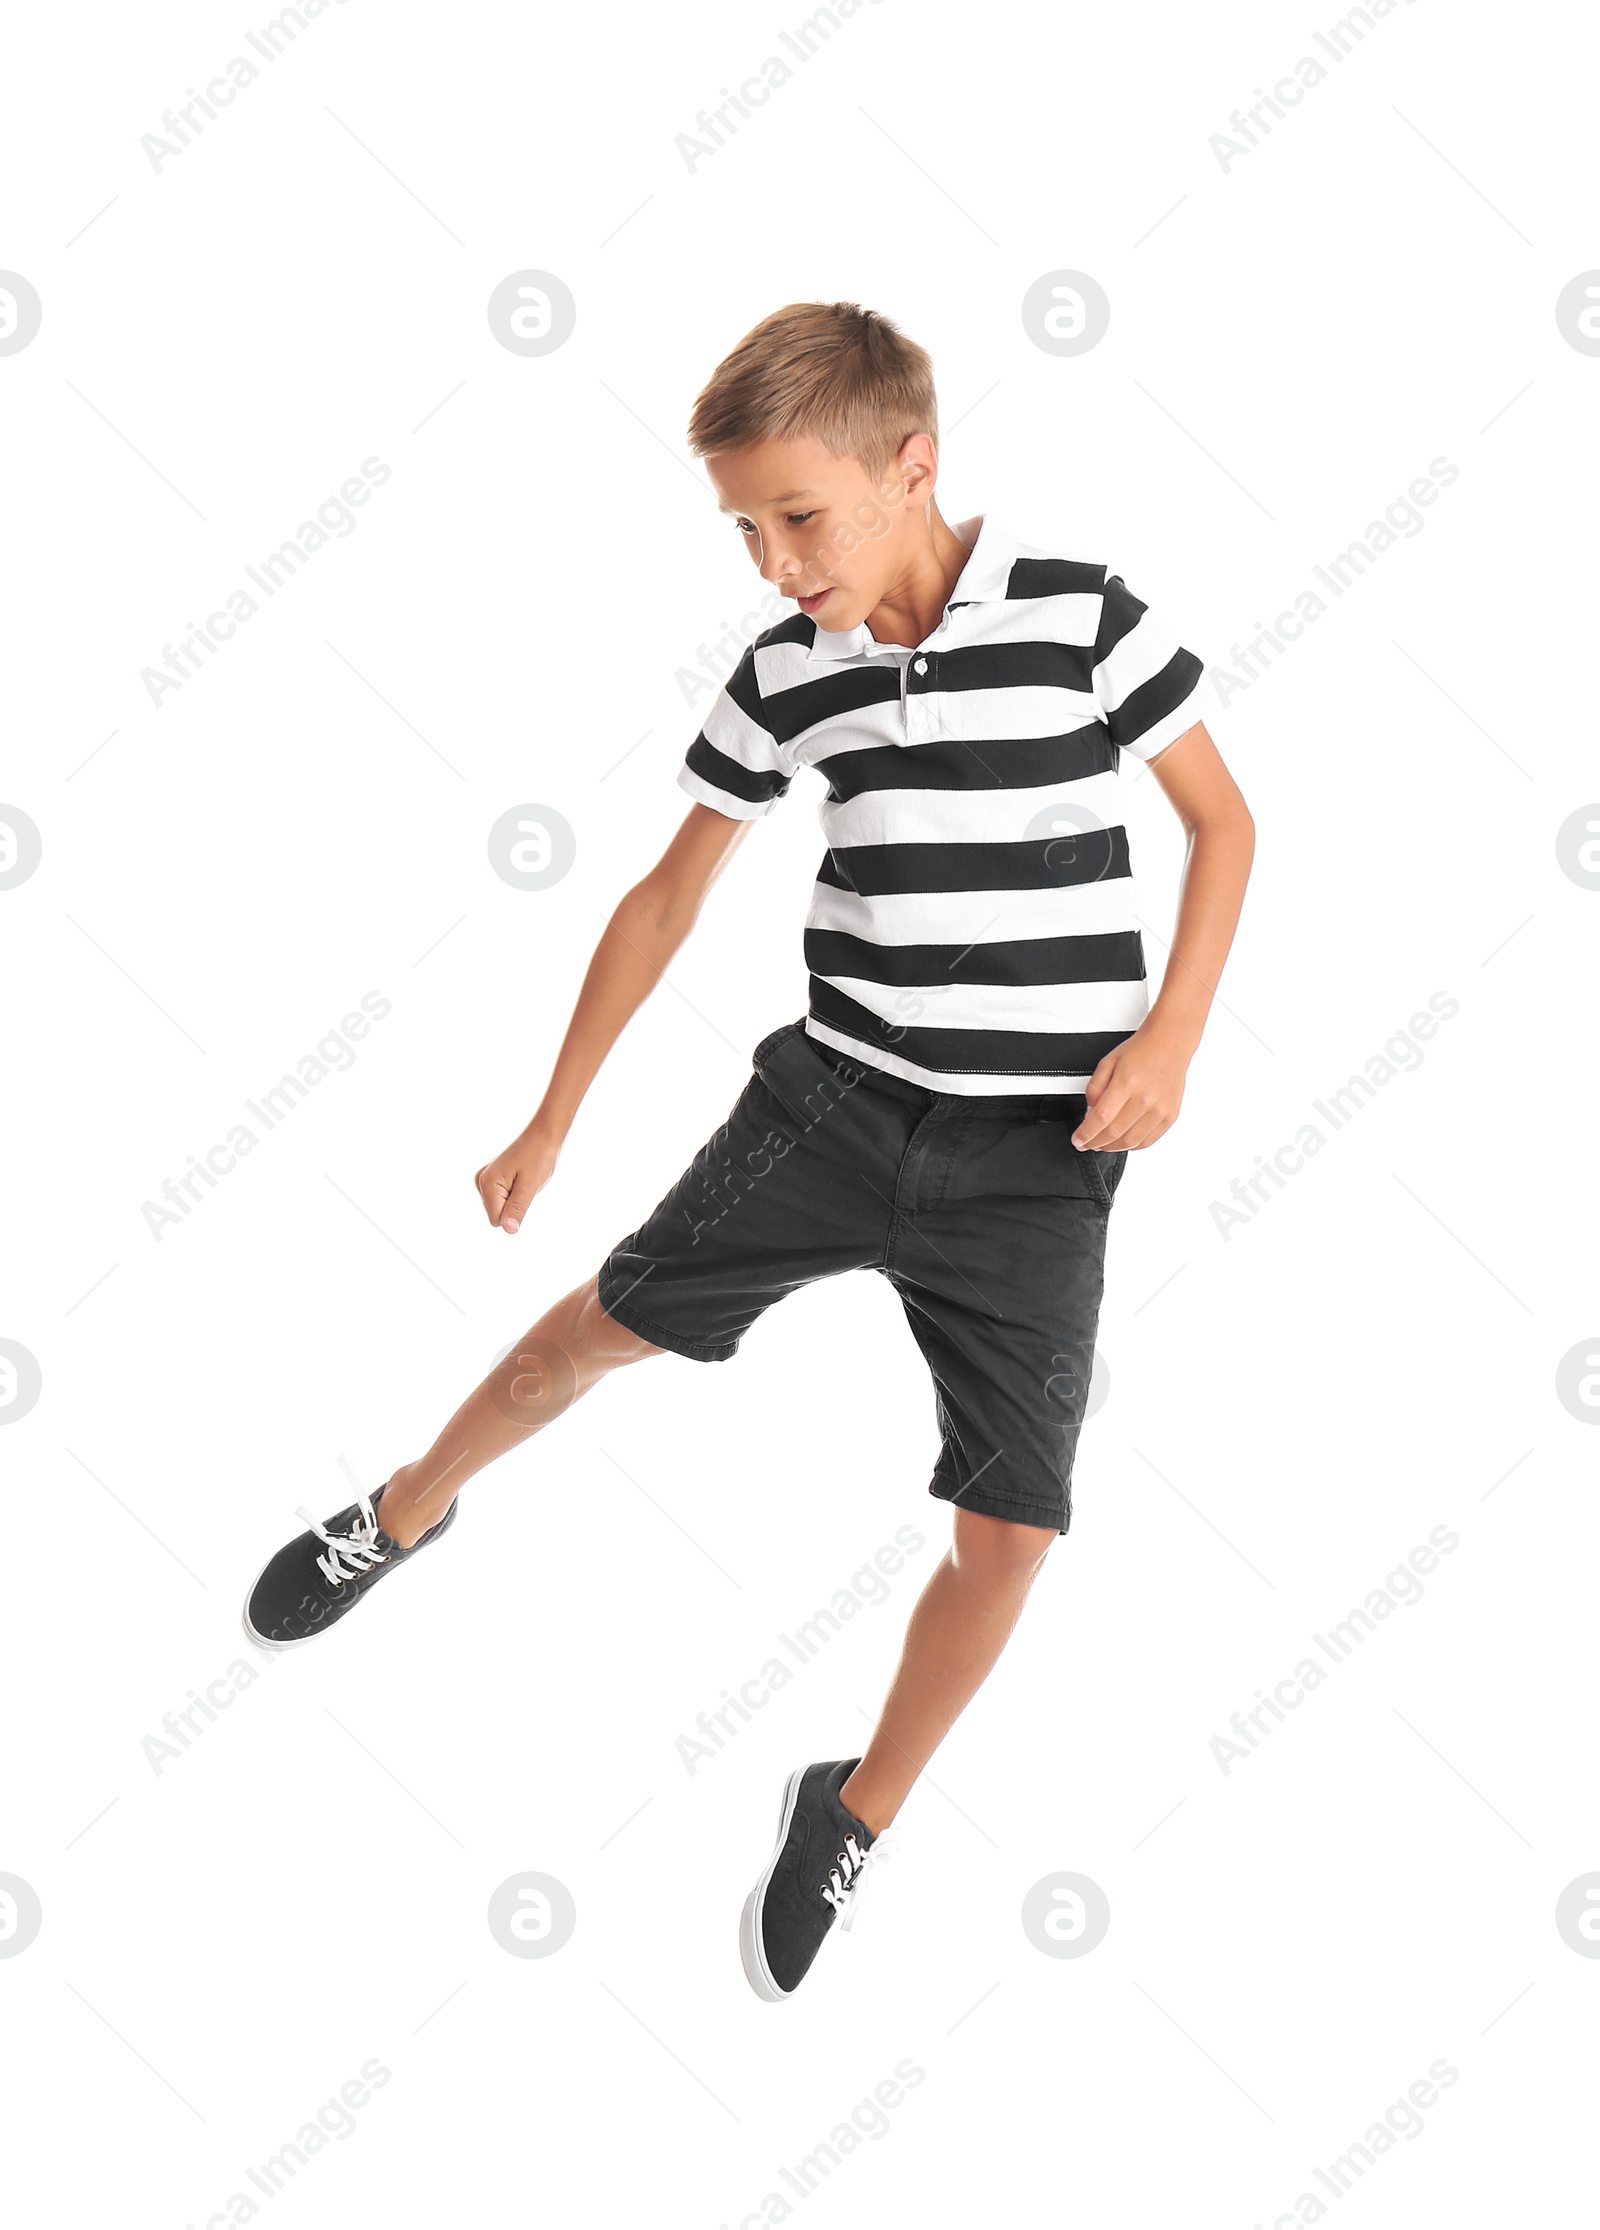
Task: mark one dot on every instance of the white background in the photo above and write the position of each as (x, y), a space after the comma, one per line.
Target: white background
(1291, 1409)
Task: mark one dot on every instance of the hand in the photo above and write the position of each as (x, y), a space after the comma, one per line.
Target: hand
(1136, 1092)
(506, 1184)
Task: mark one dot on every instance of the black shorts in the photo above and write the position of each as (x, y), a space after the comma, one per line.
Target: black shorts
(985, 1218)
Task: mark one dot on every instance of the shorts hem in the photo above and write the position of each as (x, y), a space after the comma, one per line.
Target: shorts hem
(990, 1503)
(625, 1312)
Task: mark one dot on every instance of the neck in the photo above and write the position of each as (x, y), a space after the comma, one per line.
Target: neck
(912, 607)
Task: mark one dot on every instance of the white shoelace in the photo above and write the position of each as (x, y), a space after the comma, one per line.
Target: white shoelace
(851, 1867)
(348, 1554)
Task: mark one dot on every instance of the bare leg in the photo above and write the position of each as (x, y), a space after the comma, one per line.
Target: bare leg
(570, 1349)
(961, 1622)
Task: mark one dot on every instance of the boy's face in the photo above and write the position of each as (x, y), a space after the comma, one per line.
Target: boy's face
(819, 528)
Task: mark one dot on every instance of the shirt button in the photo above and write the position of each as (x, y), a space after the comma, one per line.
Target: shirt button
(921, 665)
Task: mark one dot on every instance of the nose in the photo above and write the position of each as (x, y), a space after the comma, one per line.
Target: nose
(775, 563)
(796, 571)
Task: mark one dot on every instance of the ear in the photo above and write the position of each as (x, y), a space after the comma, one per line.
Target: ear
(917, 464)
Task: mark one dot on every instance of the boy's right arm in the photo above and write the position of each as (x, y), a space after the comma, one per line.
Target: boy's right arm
(650, 923)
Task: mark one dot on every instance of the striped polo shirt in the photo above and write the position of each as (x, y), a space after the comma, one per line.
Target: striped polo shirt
(972, 927)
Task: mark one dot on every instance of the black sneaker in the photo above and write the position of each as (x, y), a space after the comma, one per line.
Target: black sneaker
(324, 1573)
(814, 1878)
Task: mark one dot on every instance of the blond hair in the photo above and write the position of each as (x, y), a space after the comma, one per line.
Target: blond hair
(842, 374)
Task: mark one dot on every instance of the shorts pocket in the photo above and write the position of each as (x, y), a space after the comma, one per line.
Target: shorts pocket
(804, 1077)
(769, 1045)
(1025, 1157)
(1105, 1170)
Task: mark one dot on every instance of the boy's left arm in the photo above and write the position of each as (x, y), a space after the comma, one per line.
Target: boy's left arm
(1135, 1093)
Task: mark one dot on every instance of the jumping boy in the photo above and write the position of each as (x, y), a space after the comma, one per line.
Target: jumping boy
(979, 1057)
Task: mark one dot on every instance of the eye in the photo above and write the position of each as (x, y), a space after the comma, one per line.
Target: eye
(791, 518)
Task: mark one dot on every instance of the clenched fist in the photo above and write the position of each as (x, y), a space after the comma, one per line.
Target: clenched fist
(506, 1184)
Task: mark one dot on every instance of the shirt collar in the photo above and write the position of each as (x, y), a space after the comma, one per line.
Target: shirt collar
(982, 579)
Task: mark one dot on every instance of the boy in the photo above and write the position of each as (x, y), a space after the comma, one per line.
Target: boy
(979, 1058)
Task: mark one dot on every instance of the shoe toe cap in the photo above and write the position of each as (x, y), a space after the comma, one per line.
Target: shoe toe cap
(287, 1603)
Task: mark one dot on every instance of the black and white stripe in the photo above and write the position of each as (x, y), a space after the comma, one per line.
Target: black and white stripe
(973, 924)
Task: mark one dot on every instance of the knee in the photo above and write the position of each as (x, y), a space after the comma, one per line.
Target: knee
(997, 1547)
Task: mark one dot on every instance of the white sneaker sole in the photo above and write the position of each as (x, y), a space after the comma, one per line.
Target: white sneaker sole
(756, 1971)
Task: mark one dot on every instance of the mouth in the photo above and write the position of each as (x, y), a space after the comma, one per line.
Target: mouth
(812, 604)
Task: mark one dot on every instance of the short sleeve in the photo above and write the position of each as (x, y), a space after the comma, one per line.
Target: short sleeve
(1146, 684)
(736, 764)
